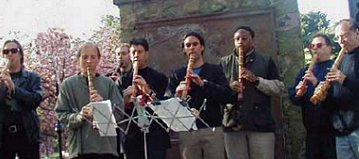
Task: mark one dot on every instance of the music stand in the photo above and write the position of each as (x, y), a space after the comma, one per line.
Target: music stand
(174, 112)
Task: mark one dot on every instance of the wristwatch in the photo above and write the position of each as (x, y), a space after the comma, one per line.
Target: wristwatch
(256, 82)
(204, 82)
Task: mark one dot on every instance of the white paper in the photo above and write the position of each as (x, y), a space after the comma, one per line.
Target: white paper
(175, 115)
(104, 118)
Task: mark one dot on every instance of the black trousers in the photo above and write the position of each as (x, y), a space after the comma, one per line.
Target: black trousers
(152, 154)
(16, 143)
(96, 156)
(320, 145)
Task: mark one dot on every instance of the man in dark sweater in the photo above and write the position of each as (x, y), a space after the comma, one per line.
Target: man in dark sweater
(209, 91)
(344, 96)
(151, 83)
(320, 140)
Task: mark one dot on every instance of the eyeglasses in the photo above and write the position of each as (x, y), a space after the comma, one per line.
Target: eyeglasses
(12, 51)
(343, 36)
(317, 45)
(194, 44)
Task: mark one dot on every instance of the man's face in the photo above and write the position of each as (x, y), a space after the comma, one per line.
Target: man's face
(89, 57)
(138, 52)
(348, 39)
(243, 39)
(11, 51)
(123, 56)
(319, 47)
(193, 46)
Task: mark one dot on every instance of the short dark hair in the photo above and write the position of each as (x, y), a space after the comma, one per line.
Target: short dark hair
(247, 28)
(195, 34)
(140, 41)
(326, 38)
(353, 25)
(18, 45)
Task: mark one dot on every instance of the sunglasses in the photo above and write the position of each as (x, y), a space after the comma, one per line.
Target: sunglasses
(317, 45)
(12, 51)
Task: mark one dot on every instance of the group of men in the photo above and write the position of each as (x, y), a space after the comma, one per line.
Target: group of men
(231, 100)
(332, 125)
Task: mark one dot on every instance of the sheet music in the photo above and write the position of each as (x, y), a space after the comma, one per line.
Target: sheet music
(104, 118)
(175, 115)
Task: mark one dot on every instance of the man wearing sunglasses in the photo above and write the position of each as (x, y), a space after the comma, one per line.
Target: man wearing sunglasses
(21, 94)
(320, 140)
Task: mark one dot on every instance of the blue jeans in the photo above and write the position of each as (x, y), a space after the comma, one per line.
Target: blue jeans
(348, 146)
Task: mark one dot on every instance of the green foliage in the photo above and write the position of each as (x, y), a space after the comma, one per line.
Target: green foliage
(312, 23)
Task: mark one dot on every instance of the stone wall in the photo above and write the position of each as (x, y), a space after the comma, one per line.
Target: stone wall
(276, 22)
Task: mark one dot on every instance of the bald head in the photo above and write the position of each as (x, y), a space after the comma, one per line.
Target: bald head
(88, 47)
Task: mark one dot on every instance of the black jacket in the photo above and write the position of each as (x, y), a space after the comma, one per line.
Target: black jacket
(344, 98)
(157, 138)
(23, 103)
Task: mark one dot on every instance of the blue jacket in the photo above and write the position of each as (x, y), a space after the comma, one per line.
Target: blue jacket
(314, 116)
(25, 99)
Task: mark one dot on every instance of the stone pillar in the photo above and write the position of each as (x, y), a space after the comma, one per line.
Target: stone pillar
(278, 34)
(353, 8)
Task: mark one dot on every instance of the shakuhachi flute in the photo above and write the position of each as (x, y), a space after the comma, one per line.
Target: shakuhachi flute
(5, 65)
(90, 77)
(135, 73)
(321, 94)
(241, 62)
(187, 77)
(303, 89)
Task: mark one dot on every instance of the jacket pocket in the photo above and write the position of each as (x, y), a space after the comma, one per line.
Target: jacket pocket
(261, 115)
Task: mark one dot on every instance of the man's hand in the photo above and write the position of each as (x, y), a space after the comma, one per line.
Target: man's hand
(196, 79)
(127, 93)
(310, 77)
(95, 96)
(87, 112)
(5, 78)
(300, 89)
(180, 88)
(335, 75)
(141, 84)
(237, 86)
(248, 75)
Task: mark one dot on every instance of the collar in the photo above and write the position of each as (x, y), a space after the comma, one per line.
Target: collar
(354, 50)
(250, 56)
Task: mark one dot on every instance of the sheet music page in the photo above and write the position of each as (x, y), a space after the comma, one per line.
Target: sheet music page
(175, 115)
(104, 118)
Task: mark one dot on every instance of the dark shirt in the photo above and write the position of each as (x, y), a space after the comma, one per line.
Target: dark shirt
(216, 92)
(23, 103)
(13, 116)
(344, 98)
(126, 78)
(314, 116)
(157, 138)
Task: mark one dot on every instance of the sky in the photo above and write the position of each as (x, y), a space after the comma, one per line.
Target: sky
(77, 17)
(335, 9)
(80, 17)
